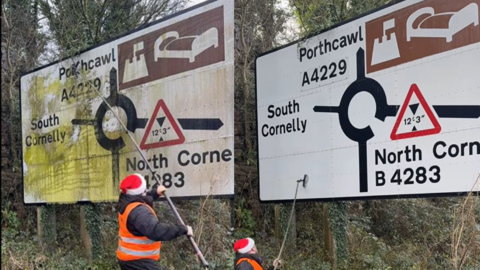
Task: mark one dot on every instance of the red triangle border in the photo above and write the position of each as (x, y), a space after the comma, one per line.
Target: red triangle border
(176, 128)
(436, 126)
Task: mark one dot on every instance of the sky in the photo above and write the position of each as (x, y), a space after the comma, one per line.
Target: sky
(194, 2)
(291, 31)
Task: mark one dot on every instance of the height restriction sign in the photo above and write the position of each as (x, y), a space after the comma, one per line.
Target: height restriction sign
(386, 105)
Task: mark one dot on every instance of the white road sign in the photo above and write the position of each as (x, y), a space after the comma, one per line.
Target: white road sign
(171, 83)
(387, 105)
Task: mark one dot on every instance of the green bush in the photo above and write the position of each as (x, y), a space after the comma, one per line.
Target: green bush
(244, 217)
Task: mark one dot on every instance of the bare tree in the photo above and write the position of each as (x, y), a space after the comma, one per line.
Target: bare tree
(78, 24)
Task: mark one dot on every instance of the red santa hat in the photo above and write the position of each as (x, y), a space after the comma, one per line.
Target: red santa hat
(133, 184)
(244, 245)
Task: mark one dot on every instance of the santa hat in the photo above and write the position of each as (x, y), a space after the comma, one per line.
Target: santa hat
(244, 245)
(133, 184)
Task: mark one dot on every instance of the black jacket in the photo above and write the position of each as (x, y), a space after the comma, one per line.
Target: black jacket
(246, 265)
(141, 222)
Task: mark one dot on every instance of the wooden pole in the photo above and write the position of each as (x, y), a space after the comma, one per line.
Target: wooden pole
(84, 235)
(328, 240)
(39, 227)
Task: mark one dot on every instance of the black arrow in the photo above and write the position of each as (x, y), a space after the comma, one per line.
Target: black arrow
(201, 123)
(83, 121)
(141, 122)
(458, 111)
(327, 109)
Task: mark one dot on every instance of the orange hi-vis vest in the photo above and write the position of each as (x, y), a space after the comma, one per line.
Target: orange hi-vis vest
(253, 263)
(131, 247)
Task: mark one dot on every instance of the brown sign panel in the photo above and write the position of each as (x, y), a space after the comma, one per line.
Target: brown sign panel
(420, 30)
(192, 43)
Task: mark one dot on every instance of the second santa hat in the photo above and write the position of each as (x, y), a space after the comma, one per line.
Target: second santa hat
(244, 245)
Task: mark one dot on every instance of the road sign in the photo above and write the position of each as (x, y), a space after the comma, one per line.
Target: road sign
(418, 120)
(154, 138)
(385, 105)
(171, 83)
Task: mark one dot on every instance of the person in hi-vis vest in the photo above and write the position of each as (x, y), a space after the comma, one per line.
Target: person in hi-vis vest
(140, 232)
(247, 257)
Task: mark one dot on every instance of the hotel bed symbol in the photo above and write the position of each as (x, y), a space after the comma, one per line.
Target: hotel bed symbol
(457, 21)
(387, 49)
(200, 43)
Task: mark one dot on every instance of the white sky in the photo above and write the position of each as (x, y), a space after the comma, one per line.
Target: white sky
(292, 27)
(194, 2)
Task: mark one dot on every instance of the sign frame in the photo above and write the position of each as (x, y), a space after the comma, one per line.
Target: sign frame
(301, 176)
(145, 26)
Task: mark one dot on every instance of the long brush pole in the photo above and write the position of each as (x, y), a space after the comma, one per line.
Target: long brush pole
(170, 203)
(289, 220)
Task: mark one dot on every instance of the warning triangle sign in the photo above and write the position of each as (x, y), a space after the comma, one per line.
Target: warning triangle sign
(162, 129)
(416, 119)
